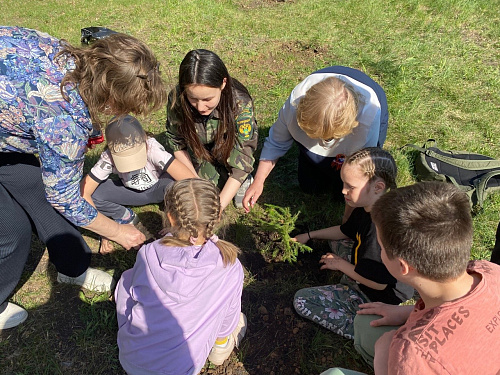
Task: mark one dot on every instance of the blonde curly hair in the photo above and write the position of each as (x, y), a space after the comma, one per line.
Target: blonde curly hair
(118, 71)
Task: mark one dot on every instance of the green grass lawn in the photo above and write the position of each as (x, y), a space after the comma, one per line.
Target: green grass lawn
(438, 62)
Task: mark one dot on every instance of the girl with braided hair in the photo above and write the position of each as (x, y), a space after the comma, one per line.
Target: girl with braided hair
(181, 302)
(367, 175)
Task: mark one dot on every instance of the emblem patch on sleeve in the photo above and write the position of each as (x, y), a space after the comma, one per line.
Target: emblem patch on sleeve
(245, 129)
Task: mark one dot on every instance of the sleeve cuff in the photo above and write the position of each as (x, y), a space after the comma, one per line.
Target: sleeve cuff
(93, 177)
(239, 175)
(168, 164)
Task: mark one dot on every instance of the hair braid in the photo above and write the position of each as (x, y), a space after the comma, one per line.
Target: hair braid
(375, 163)
(213, 221)
(194, 207)
(188, 213)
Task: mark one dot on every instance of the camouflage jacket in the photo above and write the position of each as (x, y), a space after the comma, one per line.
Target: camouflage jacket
(241, 159)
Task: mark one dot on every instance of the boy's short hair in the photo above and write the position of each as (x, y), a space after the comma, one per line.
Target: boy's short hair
(328, 110)
(428, 225)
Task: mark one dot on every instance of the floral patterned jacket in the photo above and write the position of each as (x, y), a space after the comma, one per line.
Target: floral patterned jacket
(35, 118)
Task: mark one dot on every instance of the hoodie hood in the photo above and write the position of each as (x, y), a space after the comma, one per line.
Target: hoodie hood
(173, 304)
(181, 272)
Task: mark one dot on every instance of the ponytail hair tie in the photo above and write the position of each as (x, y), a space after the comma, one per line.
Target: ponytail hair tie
(214, 238)
(193, 240)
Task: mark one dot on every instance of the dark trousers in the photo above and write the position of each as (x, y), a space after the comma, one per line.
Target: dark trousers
(23, 209)
(111, 196)
(495, 253)
(319, 178)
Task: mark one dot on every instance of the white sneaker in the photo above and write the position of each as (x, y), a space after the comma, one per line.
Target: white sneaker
(219, 354)
(12, 315)
(240, 330)
(240, 194)
(92, 279)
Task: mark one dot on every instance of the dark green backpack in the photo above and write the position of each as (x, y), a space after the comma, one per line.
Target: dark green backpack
(478, 175)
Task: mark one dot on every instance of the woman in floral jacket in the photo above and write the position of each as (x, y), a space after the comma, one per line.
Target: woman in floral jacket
(52, 96)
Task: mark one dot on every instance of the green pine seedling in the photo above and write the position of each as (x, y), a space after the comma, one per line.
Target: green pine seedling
(278, 223)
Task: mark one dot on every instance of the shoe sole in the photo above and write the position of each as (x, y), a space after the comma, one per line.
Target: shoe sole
(238, 198)
(89, 285)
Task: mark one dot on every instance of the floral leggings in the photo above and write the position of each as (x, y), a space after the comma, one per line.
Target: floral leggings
(332, 306)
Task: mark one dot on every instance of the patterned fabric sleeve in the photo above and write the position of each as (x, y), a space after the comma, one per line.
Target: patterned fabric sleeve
(61, 151)
(241, 159)
(36, 119)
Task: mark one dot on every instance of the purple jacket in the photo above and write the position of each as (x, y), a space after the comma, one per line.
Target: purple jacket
(173, 304)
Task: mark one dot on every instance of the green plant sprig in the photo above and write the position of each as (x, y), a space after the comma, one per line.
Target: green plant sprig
(279, 223)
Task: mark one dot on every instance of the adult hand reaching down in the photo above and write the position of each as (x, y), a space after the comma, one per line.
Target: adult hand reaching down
(254, 191)
(125, 234)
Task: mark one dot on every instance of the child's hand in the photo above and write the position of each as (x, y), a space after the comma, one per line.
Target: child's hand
(332, 262)
(106, 246)
(302, 238)
(390, 315)
(163, 232)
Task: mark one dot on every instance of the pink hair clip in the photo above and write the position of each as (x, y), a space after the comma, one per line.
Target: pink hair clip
(214, 238)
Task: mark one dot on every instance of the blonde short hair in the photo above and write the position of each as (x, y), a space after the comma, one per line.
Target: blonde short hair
(328, 109)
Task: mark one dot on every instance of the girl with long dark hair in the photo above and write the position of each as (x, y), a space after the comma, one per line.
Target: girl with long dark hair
(211, 126)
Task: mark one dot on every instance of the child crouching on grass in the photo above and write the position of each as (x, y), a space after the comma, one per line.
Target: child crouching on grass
(425, 231)
(181, 302)
(144, 169)
(367, 175)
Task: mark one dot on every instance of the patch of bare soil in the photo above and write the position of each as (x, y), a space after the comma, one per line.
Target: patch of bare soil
(279, 341)
(67, 336)
(279, 54)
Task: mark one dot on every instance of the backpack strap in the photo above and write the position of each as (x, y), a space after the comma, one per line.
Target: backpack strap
(481, 185)
(467, 189)
(429, 143)
(471, 165)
